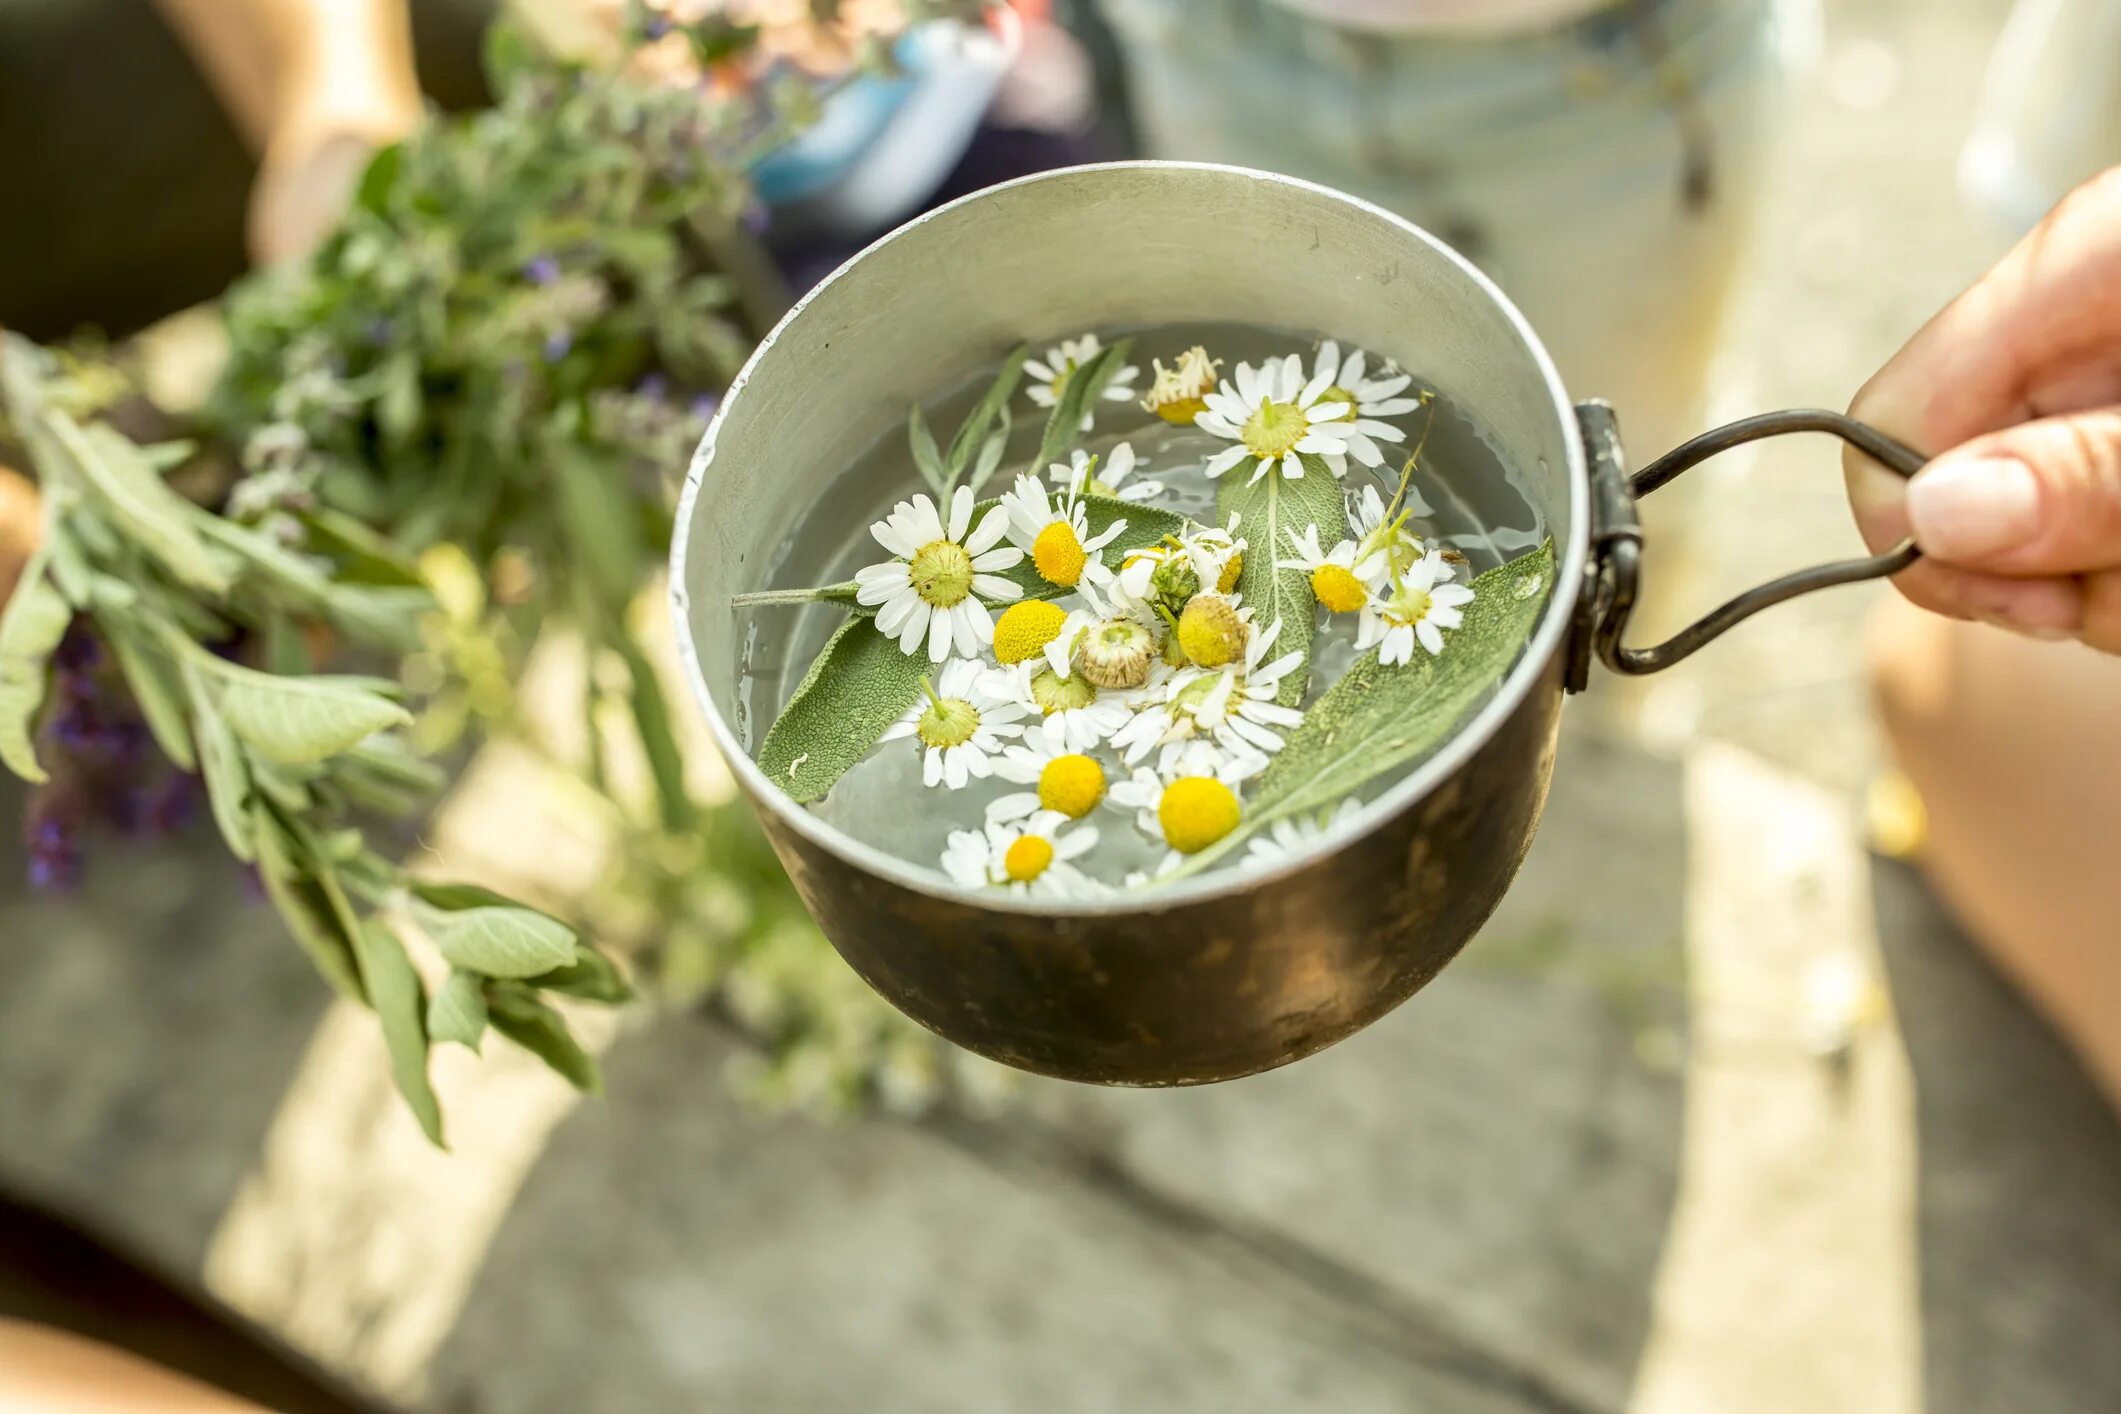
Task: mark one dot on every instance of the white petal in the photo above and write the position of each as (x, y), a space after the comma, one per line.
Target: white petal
(931, 767)
(954, 768)
(1292, 467)
(1223, 460)
(1038, 370)
(909, 638)
(939, 637)
(1431, 637)
(1320, 381)
(924, 523)
(1012, 807)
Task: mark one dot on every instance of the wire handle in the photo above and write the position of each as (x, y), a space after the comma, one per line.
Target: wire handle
(1616, 532)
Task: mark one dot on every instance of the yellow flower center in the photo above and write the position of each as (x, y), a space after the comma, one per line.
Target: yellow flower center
(1274, 429)
(1073, 785)
(1210, 631)
(1409, 605)
(1027, 857)
(1338, 589)
(1025, 628)
(949, 721)
(1232, 569)
(1338, 394)
(941, 572)
(1178, 395)
(1196, 812)
(1181, 411)
(1059, 555)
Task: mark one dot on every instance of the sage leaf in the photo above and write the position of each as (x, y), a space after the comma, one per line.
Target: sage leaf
(1064, 426)
(860, 684)
(990, 454)
(301, 721)
(364, 556)
(154, 684)
(31, 625)
(222, 765)
(1377, 719)
(457, 1011)
(320, 922)
(973, 432)
(591, 976)
(659, 743)
(135, 496)
(927, 457)
(400, 1005)
(496, 939)
(384, 615)
(540, 1030)
(1269, 510)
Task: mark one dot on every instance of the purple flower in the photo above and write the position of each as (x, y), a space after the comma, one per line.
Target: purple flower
(543, 270)
(653, 386)
(757, 218)
(54, 853)
(704, 405)
(557, 344)
(655, 27)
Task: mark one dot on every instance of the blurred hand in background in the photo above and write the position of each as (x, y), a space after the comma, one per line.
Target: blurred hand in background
(2017, 387)
(315, 86)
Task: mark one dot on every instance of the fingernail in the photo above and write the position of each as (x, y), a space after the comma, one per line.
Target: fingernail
(1965, 509)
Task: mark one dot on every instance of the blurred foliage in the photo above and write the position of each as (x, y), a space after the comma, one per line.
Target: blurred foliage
(486, 383)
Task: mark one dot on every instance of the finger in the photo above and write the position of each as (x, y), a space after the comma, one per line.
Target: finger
(2102, 611)
(2041, 498)
(2038, 608)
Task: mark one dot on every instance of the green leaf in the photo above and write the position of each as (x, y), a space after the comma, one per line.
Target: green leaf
(927, 459)
(301, 721)
(651, 718)
(380, 177)
(317, 916)
(972, 433)
(1064, 426)
(592, 976)
(860, 684)
(1377, 720)
(1269, 510)
(221, 762)
(384, 615)
(31, 625)
(496, 939)
(364, 556)
(400, 1005)
(507, 53)
(154, 684)
(991, 453)
(596, 515)
(540, 1030)
(135, 496)
(458, 1010)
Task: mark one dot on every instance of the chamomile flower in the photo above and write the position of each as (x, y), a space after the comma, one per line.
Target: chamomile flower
(1082, 473)
(1188, 813)
(1031, 856)
(1069, 783)
(1289, 837)
(1334, 582)
(960, 725)
(1168, 574)
(1367, 399)
(1415, 607)
(1178, 394)
(1108, 646)
(1056, 534)
(942, 582)
(1231, 709)
(1068, 712)
(1384, 546)
(1274, 416)
(1051, 373)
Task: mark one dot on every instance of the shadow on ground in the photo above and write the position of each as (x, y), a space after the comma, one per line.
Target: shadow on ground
(2019, 1182)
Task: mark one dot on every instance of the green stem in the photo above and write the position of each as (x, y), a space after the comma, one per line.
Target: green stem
(928, 691)
(818, 594)
(1406, 474)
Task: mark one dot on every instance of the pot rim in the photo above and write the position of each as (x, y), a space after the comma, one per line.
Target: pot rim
(1545, 641)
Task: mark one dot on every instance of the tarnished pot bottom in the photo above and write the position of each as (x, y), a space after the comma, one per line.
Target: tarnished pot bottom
(1219, 987)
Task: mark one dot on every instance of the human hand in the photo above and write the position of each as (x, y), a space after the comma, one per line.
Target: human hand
(2017, 384)
(18, 528)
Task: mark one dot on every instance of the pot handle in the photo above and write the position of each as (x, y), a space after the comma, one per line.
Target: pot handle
(1613, 571)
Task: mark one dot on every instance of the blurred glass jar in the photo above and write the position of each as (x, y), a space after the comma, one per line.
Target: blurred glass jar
(1603, 161)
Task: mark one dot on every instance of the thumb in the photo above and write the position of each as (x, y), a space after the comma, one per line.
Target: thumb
(2040, 498)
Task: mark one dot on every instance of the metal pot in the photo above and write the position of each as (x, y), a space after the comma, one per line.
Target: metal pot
(1209, 978)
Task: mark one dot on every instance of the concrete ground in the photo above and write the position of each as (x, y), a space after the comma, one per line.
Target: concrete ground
(1720, 1113)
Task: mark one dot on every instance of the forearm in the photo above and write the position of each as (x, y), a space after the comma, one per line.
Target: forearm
(270, 58)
